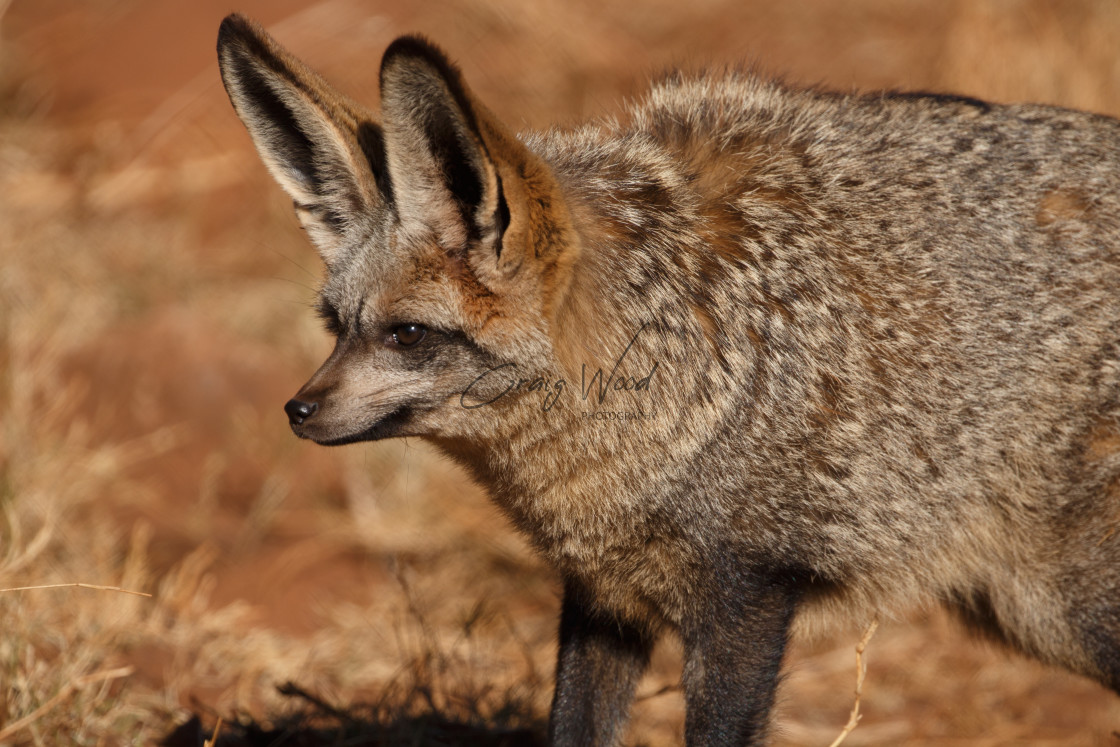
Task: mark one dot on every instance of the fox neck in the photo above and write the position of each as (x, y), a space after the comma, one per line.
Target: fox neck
(587, 417)
(543, 468)
(556, 456)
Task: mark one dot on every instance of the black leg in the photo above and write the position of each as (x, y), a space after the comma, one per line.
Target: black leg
(734, 642)
(601, 661)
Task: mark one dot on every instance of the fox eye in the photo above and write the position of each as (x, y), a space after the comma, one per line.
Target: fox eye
(407, 335)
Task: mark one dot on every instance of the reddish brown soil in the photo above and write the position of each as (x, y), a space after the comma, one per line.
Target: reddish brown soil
(142, 137)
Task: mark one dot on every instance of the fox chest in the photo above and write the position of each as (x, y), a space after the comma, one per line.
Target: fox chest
(634, 546)
(630, 575)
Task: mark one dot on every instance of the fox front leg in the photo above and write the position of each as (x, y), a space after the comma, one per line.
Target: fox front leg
(600, 663)
(734, 640)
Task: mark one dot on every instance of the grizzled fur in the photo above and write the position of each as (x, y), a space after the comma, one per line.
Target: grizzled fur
(859, 352)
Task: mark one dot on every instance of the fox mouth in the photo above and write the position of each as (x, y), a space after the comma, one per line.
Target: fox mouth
(386, 427)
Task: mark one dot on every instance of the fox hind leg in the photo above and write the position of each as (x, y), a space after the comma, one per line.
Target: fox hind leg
(1094, 605)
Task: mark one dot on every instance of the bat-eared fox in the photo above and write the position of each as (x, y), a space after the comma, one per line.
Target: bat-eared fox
(748, 358)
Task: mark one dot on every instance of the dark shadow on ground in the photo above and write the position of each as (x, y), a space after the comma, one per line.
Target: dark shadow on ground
(419, 722)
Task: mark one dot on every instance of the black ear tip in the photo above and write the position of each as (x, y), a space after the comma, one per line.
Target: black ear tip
(237, 29)
(415, 46)
(233, 26)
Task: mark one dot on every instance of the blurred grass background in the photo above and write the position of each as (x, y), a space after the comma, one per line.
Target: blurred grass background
(154, 317)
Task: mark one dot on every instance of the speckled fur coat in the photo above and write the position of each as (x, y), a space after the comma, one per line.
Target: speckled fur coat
(748, 359)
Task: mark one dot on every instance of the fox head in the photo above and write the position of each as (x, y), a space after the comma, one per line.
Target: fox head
(445, 239)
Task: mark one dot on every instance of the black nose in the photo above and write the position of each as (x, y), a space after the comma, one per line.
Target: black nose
(299, 411)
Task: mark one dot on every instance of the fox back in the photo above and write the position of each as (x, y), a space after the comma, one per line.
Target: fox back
(749, 358)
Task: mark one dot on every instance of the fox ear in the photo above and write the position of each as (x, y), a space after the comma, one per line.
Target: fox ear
(325, 151)
(443, 175)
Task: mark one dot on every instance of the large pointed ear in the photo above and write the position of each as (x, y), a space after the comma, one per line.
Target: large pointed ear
(444, 176)
(325, 151)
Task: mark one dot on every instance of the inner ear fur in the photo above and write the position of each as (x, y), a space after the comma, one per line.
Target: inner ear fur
(460, 173)
(439, 156)
(325, 151)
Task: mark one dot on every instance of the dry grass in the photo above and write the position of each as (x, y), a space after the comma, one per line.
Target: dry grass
(861, 674)
(154, 316)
